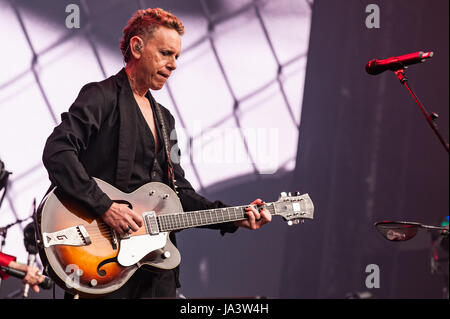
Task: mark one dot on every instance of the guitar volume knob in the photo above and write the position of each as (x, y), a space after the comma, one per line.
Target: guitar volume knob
(165, 254)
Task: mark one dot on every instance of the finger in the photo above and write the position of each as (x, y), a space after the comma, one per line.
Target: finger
(131, 224)
(120, 228)
(126, 229)
(29, 276)
(137, 218)
(251, 218)
(121, 232)
(258, 202)
(266, 216)
(134, 219)
(123, 220)
(255, 212)
(35, 288)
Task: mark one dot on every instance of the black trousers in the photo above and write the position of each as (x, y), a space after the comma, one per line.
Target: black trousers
(144, 284)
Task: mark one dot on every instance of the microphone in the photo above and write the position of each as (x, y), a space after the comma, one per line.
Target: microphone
(31, 260)
(375, 67)
(29, 240)
(46, 284)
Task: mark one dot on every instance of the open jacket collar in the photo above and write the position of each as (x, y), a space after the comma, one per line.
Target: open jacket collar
(127, 133)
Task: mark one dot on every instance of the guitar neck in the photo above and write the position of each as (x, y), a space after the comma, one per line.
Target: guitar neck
(178, 221)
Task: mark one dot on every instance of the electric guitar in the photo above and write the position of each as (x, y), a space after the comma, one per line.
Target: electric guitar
(85, 256)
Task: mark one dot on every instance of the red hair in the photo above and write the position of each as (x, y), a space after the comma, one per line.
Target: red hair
(143, 23)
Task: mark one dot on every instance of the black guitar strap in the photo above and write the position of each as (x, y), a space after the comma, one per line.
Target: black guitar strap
(165, 136)
(170, 172)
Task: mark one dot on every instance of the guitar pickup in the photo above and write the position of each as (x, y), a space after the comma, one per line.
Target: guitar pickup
(72, 236)
(151, 223)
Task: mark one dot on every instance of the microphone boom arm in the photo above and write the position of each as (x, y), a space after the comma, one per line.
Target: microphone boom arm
(430, 118)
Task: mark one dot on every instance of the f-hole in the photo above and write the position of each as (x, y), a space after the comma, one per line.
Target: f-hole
(102, 273)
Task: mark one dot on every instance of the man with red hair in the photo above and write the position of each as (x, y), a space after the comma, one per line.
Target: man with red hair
(115, 131)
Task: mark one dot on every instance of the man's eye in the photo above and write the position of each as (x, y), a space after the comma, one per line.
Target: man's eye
(165, 53)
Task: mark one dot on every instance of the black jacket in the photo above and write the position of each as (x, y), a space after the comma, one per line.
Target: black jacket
(97, 138)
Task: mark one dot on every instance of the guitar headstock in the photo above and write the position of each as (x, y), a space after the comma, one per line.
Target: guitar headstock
(294, 208)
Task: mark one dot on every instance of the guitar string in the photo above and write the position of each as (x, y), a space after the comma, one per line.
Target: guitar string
(177, 221)
(183, 218)
(98, 232)
(104, 231)
(170, 222)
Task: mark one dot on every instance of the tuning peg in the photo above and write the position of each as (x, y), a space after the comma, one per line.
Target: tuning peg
(297, 194)
(283, 194)
(295, 221)
(289, 194)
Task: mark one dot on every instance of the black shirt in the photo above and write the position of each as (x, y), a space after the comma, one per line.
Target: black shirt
(147, 166)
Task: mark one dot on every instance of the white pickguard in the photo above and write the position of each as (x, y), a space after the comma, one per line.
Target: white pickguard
(134, 248)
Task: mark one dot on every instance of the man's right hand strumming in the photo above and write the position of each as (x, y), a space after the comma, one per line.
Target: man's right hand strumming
(122, 219)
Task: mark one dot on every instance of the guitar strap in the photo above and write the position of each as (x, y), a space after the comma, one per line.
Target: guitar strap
(165, 136)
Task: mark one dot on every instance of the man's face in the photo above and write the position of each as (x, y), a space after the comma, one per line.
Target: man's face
(159, 55)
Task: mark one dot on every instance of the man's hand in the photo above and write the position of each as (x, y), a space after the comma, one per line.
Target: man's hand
(256, 218)
(33, 275)
(34, 278)
(122, 219)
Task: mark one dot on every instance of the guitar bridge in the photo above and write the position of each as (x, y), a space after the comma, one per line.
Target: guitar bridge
(72, 236)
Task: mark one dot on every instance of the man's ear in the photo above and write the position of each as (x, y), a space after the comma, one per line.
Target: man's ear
(136, 46)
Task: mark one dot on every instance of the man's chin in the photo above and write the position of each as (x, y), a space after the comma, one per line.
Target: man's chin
(157, 86)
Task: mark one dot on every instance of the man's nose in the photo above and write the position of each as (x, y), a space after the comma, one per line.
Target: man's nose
(172, 65)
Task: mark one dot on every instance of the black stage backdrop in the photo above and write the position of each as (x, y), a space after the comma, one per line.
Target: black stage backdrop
(366, 153)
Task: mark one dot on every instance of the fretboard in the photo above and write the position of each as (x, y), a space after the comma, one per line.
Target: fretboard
(170, 222)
